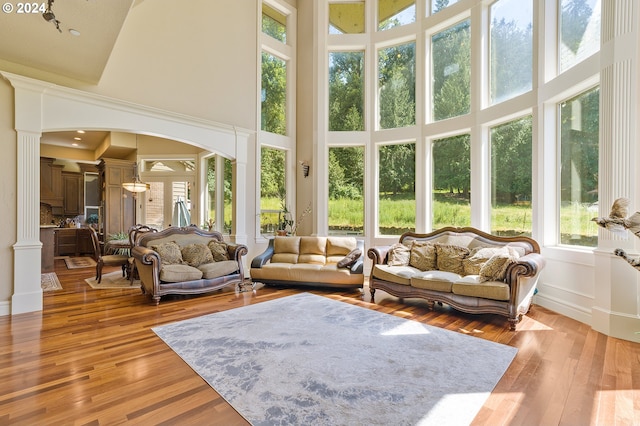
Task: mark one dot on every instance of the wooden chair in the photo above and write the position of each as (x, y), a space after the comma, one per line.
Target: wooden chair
(134, 231)
(107, 259)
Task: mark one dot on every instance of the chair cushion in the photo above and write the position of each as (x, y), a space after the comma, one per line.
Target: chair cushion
(169, 252)
(175, 273)
(434, 280)
(495, 290)
(395, 274)
(218, 269)
(196, 254)
(219, 250)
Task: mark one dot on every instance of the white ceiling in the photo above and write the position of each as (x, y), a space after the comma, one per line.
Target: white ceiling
(28, 40)
(29, 43)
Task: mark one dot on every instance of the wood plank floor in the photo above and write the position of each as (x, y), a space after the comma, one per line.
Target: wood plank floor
(90, 358)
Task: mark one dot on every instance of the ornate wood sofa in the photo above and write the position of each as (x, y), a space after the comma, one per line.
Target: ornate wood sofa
(186, 260)
(467, 269)
(311, 261)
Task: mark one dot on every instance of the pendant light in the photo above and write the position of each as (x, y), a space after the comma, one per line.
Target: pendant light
(136, 185)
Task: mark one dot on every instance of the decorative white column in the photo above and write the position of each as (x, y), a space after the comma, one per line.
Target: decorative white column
(27, 290)
(616, 310)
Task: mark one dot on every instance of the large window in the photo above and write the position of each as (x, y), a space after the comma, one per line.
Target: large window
(394, 13)
(579, 130)
(452, 182)
(397, 188)
(511, 48)
(451, 59)
(397, 86)
(274, 23)
(346, 190)
(511, 177)
(346, 95)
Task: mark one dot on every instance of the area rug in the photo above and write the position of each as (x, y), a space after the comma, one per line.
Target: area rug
(112, 280)
(79, 262)
(49, 281)
(308, 359)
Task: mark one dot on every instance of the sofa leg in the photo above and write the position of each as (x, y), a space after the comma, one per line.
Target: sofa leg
(373, 293)
(430, 305)
(156, 300)
(513, 322)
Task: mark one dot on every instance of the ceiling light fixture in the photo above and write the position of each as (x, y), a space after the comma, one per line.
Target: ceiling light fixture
(74, 32)
(136, 185)
(50, 17)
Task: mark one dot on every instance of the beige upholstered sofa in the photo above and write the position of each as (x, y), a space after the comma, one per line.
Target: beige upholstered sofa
(186, 260)
(467, 269)
(310, 261)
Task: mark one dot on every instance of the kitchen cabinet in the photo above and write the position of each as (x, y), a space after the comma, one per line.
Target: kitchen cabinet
(51, 186)
(118, 204)
(47, 239)
(73, 200)
(73, 242)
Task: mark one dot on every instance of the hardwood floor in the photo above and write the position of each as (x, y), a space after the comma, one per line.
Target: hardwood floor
(90, 358)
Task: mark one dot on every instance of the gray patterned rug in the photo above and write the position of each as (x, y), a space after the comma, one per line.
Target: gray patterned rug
(308, 359)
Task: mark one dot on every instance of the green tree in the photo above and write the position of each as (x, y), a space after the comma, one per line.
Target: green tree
(452, 71)
(397, 83)
(274, 94)
(272, 174)
(346, 93)
(346, 172)
(511, 161)
(397, 169)
(511, 59)
(452, 164)
(575, 17)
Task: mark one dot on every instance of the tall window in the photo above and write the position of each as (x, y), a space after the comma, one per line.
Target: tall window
(451, 182)
(397, 86)
(579, 31)
(346, 91)
(228, 196)
(511, 176)
(579, 127)
(346, 190)
(451, 59)
(272, 189)
(274, 94)
(397, 190)
(210, 219)
(511, 48)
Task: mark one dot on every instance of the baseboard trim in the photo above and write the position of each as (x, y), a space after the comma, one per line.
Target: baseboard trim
(572, 311)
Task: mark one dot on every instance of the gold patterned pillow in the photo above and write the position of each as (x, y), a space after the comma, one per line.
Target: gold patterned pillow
(398, 255)
(449, 258)
(218, 250)
(169, 253)
(496, 267)
(196, 254)
(477, 258)
(423, 256)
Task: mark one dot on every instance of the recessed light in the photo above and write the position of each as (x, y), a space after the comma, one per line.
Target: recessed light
(80, 131)
(74, 32)
(77, 139)
(74, 144)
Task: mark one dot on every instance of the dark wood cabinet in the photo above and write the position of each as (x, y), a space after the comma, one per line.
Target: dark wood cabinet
(118, 204)
(51, 186)
(73, 186)
(48, 247)
(73, 242)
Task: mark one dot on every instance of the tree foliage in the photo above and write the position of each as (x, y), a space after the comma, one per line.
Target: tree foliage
(575, 15)
(397, 86)
(452, 164)
(274, 94)
(346, 172)
(397, 169)
(511, 161)
(346, 91)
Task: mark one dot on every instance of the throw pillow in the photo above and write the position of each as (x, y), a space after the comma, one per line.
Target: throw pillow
(196, 254)
(350, 258)
(449, 258)
(477, 258)
(169, 253)
(398, 255)
(218, 250)
(423, 256)
(496, 267)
